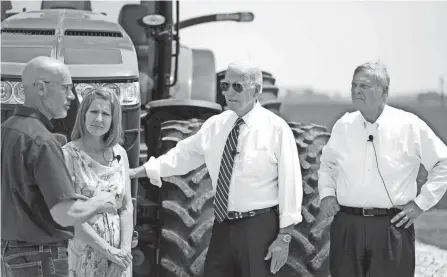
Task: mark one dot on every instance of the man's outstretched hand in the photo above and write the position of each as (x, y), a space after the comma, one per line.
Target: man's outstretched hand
(138, 172)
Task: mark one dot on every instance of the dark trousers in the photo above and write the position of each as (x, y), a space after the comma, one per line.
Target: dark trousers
(238, 247)
(21, 259)
(370, 247)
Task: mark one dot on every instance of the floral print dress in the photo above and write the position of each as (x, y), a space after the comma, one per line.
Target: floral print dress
(90, 177)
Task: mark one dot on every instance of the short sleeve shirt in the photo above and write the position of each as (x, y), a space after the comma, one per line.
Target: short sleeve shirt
(34, 178)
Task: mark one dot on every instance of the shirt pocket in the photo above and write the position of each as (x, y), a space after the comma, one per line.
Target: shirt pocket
(257, 162)
(394, 155)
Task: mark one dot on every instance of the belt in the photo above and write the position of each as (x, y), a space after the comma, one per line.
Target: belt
(369, 211)
(18, 243)
(239, 215)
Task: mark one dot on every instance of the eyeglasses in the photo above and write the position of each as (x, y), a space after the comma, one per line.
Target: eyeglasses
(237, 87)
(67, 87)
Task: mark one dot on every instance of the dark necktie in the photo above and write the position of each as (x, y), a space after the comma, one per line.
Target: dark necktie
(226, 169)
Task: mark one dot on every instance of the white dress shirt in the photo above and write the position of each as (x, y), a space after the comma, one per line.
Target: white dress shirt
(266, 169)
(402, 141)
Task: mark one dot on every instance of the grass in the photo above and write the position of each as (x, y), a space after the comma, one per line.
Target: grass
(431, 228)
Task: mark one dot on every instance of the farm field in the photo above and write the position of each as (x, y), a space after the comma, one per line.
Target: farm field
(431, 244)
(327, 113)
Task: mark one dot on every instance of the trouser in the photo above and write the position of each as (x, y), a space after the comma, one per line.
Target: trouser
(238, 247)
(22, 259)
(370, 247)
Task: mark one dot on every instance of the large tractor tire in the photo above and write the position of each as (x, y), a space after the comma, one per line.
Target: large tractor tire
(187, 209)
(309, 249)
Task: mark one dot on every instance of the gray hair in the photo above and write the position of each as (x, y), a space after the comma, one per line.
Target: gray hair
(252, 73)
(378, 71)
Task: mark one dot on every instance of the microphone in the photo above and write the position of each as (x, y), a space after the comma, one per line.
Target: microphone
(117, 157)
(370, 138)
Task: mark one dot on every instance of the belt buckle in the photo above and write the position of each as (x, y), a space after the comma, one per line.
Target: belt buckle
(363, 212)
(233, 215)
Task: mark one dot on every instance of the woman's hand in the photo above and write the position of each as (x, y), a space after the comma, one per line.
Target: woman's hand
(120, 257)
(115, 270)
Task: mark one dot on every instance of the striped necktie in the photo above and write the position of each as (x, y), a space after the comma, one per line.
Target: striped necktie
(226, 169)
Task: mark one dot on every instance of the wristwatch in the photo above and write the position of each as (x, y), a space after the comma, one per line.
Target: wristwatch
(285, 237)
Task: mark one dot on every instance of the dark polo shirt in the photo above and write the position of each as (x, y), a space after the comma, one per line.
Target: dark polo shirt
(34, 179)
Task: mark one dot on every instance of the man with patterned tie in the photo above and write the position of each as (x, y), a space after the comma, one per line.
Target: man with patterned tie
(253, 162)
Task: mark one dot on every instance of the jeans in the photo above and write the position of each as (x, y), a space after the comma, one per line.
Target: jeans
(21, 259)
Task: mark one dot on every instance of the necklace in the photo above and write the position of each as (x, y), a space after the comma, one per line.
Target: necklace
(96, 154)
(103, 152)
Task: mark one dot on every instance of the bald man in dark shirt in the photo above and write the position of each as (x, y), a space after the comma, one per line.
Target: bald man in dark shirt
(39, 203)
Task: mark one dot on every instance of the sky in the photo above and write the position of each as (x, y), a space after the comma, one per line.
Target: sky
(319, 44)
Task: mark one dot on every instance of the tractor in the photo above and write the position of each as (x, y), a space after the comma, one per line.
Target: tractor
(174, 222)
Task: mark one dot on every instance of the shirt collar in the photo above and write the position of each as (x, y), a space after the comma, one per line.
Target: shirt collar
(30, 112)
(383, 116)
(380, 120)
(250, 118)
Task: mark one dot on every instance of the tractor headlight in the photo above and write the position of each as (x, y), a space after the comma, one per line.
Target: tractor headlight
(12, 93)
(127, 93)
(6, 91)
(19, 94)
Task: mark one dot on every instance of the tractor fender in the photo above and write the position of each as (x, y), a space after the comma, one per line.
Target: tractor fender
(164, 103)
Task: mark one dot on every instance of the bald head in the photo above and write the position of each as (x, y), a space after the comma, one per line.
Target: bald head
(252, 73)
(47, 86)
(45, 69)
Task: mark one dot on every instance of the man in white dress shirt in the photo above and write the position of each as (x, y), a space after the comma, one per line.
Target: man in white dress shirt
(367, 179)
(252, 159)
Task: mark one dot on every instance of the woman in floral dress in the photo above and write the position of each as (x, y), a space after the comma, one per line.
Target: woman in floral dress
(101, 247)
